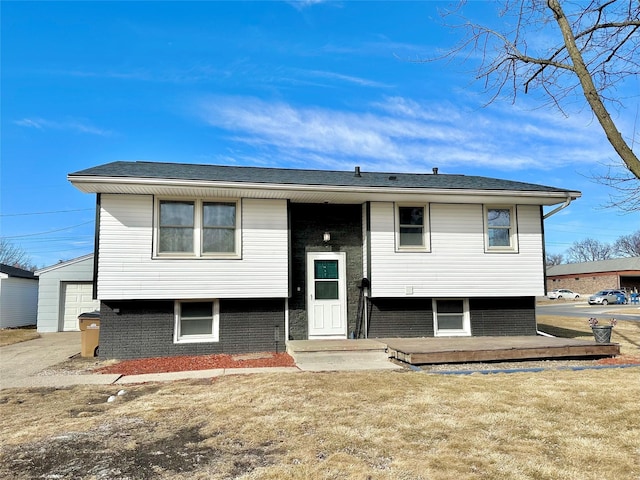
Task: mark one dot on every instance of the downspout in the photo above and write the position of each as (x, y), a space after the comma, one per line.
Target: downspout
(96, 246)
(566, 203)
(368, 290)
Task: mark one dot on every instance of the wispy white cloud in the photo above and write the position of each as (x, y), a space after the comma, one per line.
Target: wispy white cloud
(30, 122)
(406, 135)
(302, 4)
(70, 125)
(363, 82)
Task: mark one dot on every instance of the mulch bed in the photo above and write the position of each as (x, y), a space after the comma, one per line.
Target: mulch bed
(620, 360)
(254, 360)
(198, 362)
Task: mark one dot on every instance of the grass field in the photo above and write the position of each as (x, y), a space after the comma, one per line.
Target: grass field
(407, 425)
(556, 424)
(9, 336)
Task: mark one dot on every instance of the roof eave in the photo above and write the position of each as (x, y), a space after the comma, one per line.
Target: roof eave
(142, 185)
(62, 264)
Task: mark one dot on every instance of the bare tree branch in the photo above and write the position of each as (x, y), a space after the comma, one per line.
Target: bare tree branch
(14, 256)
(591, 92)
(628, 245)
(599, 48)
(554, 259)
(589, 250)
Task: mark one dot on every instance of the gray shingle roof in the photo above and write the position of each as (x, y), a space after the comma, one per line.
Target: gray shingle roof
(179, 171)
(613, 265)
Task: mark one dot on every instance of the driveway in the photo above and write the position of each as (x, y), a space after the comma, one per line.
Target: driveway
(25, 359)
(584, 310)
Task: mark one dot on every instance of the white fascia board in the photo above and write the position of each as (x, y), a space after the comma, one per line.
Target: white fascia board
(150, 186)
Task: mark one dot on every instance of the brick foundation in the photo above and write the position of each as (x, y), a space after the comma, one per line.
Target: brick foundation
(145, 329)
(401, 317)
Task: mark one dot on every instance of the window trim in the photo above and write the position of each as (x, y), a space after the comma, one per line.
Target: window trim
(466, 319)
(513, 230)
(215, 335)
(426, 230)
(198, 229)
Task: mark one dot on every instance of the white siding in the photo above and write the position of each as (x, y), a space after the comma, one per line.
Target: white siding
(457, 264)
(128, 271)
(18, 302)
(50, 298)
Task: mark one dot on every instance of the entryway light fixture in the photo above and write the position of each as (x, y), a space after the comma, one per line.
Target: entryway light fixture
(326, 236)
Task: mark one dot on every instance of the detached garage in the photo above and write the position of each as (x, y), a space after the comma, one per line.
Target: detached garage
(18, 297)
(66, 291)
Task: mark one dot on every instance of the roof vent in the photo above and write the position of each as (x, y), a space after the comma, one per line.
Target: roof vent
(435, 170)
(357, 172)
(393, 177)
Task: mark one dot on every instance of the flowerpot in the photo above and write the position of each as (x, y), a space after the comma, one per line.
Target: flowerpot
(602, 333)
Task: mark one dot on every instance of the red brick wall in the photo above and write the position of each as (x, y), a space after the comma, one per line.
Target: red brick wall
(584, 284)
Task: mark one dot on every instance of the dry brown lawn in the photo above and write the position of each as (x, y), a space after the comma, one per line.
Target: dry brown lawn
(372, 425)
(9, 336)
(626, 332)
(555, 424)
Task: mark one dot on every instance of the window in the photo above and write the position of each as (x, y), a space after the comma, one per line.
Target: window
(451, 317)
(412, 228)
(176, 227)
(219, 227)
(195, 228)
(326, 279)
(196, 321)
(500, 230)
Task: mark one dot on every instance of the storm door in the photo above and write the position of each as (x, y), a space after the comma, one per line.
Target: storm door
(327, 295)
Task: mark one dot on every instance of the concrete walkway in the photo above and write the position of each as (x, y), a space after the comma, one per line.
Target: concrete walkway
(21, 363)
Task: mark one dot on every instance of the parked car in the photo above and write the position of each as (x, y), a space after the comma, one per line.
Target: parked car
(563, 293)
(622, 296)
(605, 297)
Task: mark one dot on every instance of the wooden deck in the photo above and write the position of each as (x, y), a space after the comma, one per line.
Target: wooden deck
(419, 351)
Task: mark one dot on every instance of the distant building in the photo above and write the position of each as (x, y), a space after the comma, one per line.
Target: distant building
(18, 297)
(590, 277)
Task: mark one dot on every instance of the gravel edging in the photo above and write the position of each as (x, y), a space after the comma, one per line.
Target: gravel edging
(516, 367)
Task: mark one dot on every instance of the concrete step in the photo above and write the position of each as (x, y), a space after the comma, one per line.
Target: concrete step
(343, 361)
(334, 345)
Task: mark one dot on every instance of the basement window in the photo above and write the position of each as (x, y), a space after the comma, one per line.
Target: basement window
(197, 321)
(451, 317)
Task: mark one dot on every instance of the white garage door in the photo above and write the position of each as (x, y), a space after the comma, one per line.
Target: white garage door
(76, 299)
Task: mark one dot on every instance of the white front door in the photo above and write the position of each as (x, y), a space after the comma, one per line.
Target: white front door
(327, 295)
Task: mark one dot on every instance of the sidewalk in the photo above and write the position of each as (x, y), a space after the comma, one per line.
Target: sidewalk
(21, 364)
(61, 381)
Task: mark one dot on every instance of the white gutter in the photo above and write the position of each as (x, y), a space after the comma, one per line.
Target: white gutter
(557, 209)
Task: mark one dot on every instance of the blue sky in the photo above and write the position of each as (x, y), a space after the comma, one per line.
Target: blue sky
(326, 85)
